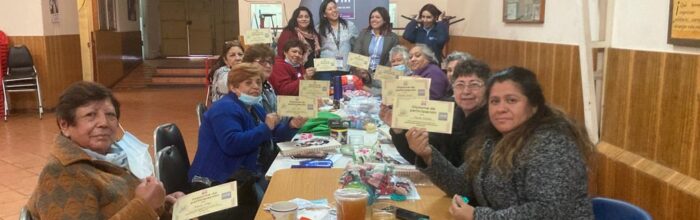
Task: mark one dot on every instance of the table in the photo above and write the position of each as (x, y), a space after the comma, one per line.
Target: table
(314, 184)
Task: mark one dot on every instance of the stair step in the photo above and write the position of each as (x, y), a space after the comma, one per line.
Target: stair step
(178, 71)
(177, 81)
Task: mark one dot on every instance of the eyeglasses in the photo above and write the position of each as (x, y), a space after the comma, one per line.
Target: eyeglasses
(264, 62)
(472, 85)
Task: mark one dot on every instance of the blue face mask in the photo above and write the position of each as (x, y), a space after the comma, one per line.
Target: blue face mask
(140, 162)
(401, 68)
(250, 100)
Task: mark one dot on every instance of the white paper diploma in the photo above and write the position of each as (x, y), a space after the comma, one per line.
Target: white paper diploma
(258, 36)
(293, 106)
(386, 73)
(206, 201)
(409, 88)
(314, 88)
(325, 64)
(434, 116)
(358, 61)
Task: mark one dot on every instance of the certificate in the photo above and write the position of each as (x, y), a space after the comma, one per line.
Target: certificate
(314, 88)
(293, 106)
(386, 73)
(434, 116)
(358, 61)
(325, 64)
(410, 88)
(258, 36)
(206, 201)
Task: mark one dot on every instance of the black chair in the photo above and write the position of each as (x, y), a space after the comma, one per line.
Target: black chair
(21, 76)
(200, 109)
(24, 214)
(175, 164)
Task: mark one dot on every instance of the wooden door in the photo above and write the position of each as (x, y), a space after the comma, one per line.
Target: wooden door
(199, 26)
(173, 27)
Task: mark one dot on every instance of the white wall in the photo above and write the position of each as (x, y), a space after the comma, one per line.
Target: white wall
(67, 17)
(643, 25)
(123, 22)
(22, 18)
(562, 22)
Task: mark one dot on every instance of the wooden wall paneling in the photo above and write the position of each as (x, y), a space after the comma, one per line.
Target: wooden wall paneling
(131, 50)
(544, 69)
(683, 205)
(641, 138)
(561, 88)
(693, 156)
(616, 85)
(576, 98)
(108, 52)
(649, 189)
(675, 129)
(64, 65)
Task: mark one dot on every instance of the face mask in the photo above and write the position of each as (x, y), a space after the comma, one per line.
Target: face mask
(115, 156)
(250, 100)
(401, 68)
(140, 162)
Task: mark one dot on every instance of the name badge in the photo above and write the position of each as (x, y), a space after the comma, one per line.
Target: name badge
(339, 63)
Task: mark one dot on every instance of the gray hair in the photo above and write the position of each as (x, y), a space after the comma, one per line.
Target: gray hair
(425, 50)
(398, 49)
(457, 55)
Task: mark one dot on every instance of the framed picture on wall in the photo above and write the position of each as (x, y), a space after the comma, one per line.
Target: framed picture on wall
(523, 11)
(683, 26)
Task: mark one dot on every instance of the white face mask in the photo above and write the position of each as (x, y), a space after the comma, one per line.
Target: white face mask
(140, 162)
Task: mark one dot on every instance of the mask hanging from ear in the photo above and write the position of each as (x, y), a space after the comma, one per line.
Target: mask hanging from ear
(140, 162)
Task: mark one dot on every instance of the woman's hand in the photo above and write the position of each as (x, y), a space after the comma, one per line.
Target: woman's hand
(170, 200)
(297, 122)
(418, 142)
(271, 120)
(385, 114)
(151, 190)
(309, 73)
(460, 210)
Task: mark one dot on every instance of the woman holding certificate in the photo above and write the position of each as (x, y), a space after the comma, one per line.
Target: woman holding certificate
(301, 26)
(288, 71)
(236, 127)
(376, 40)
(337, 34)
(423, 64)
(529, 162)
(87, 176)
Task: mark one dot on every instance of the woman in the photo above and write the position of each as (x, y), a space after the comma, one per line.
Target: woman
(423, 64)
(399, 59)
(236, 127)
(428, 30)
(264, 56)
(468, 82)
(232, 54)
(301, 26)
(451, 62)
(337, 34)
(86, 178)
(529, 162)
(376, 41)
(288, 71)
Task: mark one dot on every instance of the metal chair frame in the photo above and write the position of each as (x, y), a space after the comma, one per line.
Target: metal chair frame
(12, 84)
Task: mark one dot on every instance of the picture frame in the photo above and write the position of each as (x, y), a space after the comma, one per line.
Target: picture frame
(523, 11)
(683, 29)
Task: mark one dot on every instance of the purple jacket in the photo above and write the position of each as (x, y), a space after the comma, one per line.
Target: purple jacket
(438, 80)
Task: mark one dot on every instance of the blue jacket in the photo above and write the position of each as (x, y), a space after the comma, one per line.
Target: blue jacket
(230, 139)
(435, 37)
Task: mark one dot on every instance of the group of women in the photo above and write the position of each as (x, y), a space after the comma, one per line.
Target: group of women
(511, 153)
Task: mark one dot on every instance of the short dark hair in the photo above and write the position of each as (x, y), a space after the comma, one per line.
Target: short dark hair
(386, 27)
(79, 94)
(295, 43)
(258, 51)
(471, 67)
(432, 9)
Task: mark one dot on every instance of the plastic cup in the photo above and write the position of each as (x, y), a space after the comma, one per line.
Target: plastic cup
(351, 204)
(383, 211)
(284, 210)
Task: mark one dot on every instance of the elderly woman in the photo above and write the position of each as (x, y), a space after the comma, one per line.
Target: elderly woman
(377, 39)
(263, 55)
(337, 34)
(468, 82)
(450, 62)
(423, 64)
(428, 30)
(86, 177)
(399, 59)
(301, 26)
(288, 71)
(529, 162)
(236, 127)
(232, 54)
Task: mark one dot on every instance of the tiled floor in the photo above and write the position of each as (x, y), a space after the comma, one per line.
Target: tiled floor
(25, 140)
